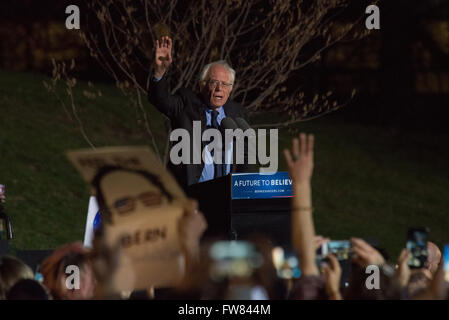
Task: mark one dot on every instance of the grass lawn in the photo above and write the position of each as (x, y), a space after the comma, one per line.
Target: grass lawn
(368, 182)
(46, 198)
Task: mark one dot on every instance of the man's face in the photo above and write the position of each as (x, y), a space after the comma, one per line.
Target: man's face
(217, 87)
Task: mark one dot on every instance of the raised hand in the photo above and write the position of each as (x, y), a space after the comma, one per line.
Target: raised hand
(300, 168)
(319, 241)
(163, 56)
(300, 165)
(437, 289)
(191, 226)
(364, 254)
(403, 270)
(332, 274)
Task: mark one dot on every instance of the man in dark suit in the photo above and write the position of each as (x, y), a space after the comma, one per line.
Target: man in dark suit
(210, 106)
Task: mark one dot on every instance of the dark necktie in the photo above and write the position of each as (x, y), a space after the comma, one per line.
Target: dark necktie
(218, 168)
(214, 122)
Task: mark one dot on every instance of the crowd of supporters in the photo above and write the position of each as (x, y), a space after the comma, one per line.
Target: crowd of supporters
(251, 272)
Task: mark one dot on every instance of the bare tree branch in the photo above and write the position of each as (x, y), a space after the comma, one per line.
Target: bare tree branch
(268, 43)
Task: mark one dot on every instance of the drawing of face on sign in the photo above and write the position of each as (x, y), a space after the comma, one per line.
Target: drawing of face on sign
(126, 192)
(144, 222)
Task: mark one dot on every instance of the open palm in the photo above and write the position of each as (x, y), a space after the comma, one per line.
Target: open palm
(163, 57)
(300, 164)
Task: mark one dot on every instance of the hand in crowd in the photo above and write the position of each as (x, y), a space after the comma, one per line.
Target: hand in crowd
(438, 288)
(332, 274)
(300, 163)
(364, 254)
(106, 262)
(319, 241)
(300, 168)
(403, 271)
(191, 227)
(163, 56)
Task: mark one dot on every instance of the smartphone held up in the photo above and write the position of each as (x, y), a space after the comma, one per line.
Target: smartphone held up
(446, 262)
(417, 244)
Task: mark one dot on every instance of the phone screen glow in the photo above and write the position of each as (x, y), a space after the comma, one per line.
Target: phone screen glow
(446, 262)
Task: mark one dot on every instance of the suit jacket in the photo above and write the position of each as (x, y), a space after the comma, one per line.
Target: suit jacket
(182, 108)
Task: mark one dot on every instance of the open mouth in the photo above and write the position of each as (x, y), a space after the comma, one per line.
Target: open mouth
(218, 97)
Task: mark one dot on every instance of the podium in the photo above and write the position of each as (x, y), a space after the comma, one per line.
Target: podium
(240, 205)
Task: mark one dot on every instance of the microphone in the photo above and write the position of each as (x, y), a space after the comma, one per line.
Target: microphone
(252, 147)
(245, 126)
(242, 124)
(228, 123)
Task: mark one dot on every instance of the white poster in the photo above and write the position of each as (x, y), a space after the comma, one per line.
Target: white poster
(93, 211)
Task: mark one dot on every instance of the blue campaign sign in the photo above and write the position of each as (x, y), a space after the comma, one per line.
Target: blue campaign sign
(261, 186)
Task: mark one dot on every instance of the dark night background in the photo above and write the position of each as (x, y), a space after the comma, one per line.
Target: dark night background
(401, 74)
(400, 71)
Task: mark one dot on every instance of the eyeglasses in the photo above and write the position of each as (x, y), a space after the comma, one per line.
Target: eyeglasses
(128, 204)
(214, 83)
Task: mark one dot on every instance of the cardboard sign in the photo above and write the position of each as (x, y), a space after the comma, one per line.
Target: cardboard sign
(88, 162)
(145, 204)
(150, 242)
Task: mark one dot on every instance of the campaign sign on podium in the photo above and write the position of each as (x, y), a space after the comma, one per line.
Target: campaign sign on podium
(260, 186)
(143, 204)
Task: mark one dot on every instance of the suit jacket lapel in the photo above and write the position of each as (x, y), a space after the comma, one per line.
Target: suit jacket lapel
(228, 109)
(201, 111)
(201, 116)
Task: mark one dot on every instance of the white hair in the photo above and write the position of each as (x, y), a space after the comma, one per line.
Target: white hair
(223, 63)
